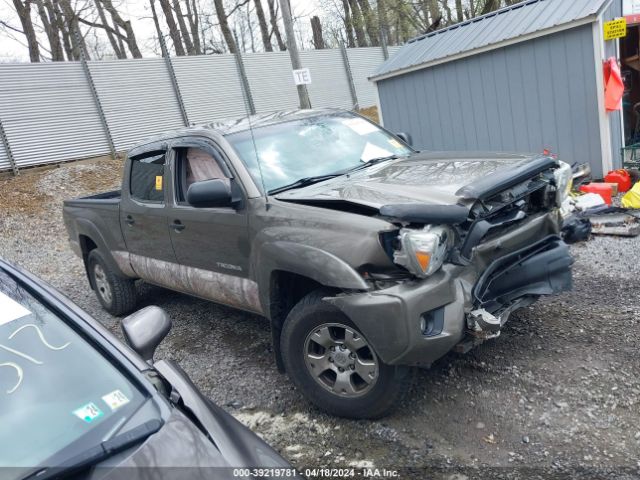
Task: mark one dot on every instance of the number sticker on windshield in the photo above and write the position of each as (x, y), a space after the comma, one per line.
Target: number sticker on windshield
(11, 310)
(115, 399)
(88, 413)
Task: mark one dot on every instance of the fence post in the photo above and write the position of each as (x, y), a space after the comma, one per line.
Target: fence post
(347, 68)
(244, 81)
(96, 99)
(7, 148)
(174, 80)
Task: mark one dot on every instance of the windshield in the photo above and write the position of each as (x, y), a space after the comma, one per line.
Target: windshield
(57, 392)
(311, 147)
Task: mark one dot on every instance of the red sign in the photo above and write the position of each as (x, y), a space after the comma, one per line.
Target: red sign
(633, 19)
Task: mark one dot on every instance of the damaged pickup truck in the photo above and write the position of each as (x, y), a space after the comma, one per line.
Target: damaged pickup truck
(366, 256)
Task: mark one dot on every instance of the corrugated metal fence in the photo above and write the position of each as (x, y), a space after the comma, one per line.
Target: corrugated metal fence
(49, 113)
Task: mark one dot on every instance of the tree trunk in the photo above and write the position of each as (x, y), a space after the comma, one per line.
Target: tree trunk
(24, 13)
(223, 20)
(273, 16)
(183, 28)
(78, 46)
(358, 23)
(370, 22)
(192, 16)
(348, 24)
(110, 35)
(459, 11)
(174, 33)
(47, 15)
(264, 29)
(490, 6)
(383, 22)
(316, 28)
(125, 25)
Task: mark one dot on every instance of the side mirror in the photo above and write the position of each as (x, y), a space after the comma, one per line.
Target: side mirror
(405, 137)
(209, 194)
(145, 329)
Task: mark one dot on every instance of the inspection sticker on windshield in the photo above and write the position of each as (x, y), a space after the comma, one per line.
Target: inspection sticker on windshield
(115, 399)
(88, 413)
(360, 126)
(11, 310)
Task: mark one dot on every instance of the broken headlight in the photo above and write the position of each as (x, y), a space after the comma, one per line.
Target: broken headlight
(423, 252)
(564, 181)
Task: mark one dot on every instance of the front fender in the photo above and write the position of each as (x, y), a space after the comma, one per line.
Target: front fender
(311, 262)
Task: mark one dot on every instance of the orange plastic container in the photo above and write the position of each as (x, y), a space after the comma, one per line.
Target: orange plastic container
(601, 189)
(622, 178)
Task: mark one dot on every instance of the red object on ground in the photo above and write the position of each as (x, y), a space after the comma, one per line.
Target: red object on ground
(613, 85)
(601, 189)
(622, 178)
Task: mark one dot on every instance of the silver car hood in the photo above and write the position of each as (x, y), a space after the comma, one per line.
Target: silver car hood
(432, 178)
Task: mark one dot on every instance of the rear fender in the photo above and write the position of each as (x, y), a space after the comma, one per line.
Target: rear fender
(87, 228)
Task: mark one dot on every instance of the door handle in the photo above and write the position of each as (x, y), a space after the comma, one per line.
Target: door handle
(129, 220)
(177, 226)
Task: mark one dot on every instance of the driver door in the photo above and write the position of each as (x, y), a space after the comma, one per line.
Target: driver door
(211, 244)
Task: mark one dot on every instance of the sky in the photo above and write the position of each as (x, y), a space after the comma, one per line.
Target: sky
(12, 50)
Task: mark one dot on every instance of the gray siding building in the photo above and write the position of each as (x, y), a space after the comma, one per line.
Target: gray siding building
(524, 78)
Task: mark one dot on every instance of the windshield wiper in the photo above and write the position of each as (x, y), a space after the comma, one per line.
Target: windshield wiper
(96, 454)
(304, 182)
(373, 161)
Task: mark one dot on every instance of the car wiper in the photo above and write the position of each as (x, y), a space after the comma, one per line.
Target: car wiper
(96, 454)
(304, 182)
(373, 161)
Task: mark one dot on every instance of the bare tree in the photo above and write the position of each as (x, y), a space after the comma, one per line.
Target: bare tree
(174, 32)
(223, 21)
(358, 23)
(264, 29)
(316, 28)
(23, 9)
(369, 18)
(273, 16)
(184, 31)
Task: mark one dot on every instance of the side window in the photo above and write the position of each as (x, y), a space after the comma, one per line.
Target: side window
(147, 177)
(196, 165)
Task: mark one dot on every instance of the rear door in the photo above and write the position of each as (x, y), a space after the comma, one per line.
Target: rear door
(211, 244)
(143, 214)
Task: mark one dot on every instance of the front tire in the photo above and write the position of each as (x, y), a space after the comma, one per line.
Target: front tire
(334, 365)
(116, 294)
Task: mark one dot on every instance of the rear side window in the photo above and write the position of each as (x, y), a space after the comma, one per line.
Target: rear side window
(147, 177)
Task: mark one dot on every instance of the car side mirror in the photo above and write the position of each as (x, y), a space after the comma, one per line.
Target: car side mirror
(145, 329)
(405, 137)
(209, 194)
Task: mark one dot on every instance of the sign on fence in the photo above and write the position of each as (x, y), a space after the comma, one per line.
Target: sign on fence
(302, 76)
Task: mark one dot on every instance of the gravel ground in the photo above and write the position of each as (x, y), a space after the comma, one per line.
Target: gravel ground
(557, 395)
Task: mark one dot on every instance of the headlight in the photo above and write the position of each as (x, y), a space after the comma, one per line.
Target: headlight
(424, 251)
(564, 181)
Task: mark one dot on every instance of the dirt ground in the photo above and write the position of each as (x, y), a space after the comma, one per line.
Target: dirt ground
(556, 396)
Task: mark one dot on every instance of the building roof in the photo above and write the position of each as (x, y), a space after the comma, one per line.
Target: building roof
(507, 25)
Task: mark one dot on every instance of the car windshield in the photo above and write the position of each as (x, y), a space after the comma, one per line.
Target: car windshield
(311, 147)
(57, 392)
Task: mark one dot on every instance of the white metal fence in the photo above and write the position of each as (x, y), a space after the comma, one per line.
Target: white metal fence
(50, 113)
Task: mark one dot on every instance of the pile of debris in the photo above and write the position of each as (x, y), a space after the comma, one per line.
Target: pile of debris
(592, 207)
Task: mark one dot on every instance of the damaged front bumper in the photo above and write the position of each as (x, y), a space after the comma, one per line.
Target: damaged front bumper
(417, 322)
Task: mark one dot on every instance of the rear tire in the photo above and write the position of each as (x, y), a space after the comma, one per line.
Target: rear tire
(333, 364)
(116, 294)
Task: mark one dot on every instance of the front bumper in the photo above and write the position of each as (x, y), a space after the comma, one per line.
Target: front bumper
(393, 320)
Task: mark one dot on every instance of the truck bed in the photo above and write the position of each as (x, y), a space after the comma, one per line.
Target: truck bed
(112, 197)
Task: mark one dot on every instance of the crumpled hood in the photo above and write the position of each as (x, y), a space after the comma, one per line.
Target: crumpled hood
(426, 178)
